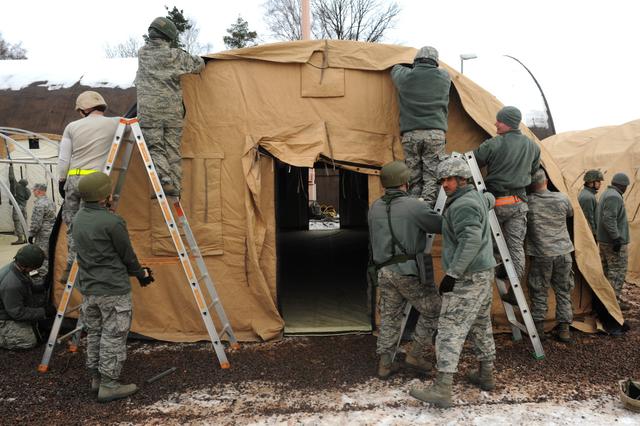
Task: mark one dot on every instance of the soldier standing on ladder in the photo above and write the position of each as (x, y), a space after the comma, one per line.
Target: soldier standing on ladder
(467, 287)
(83, 150)
(160, 107)
(511, 159)
(398, 225)
(423, 98)
(106, 260)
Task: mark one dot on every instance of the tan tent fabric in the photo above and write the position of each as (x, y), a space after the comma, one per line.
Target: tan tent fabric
(299, 101)
(610, 149)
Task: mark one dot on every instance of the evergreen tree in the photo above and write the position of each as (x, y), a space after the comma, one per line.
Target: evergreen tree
(239, 35)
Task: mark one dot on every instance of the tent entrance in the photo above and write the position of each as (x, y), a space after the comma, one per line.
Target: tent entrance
(321, 272)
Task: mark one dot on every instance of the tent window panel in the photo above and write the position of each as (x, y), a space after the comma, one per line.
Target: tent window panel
(202, 199)
(318, 82)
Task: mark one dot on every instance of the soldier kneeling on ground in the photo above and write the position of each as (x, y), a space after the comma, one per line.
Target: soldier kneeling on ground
(17, 310)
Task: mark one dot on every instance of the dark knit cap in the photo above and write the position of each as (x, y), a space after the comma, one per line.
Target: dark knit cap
(510, 115)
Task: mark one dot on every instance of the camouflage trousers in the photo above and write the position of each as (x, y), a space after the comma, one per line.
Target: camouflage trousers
(41, 239)
(72, 203)
(615, 266)
(17, 335)
(107, 320)
(423, 151)
(17, 224)
(395, 289)
(466, 311)
(555, 272)
(164, 147)
(513, 223)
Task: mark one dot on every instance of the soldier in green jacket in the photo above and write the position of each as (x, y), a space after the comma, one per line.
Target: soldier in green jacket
(587, 198)
(106, 260)
(17, 308)
(398, 225)
(511, 159)
(613, 234)
(160, 107)
(423, 97)
(468, 263)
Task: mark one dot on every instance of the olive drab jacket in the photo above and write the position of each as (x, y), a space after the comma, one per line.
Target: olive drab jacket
(466, 233)
(105, 255)
(16, 296)
(411, 220)
(612, 217)
(158, 83)
(589, 204)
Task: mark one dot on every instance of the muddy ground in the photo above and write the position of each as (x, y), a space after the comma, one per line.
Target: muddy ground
(316, 377)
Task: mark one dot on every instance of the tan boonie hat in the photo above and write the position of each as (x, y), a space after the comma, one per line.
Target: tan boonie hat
(89, 99)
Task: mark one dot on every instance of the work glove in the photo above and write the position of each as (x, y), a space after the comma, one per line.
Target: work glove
(61, 188)
(446, 285)
(145, 277)
(30, 239)
(501, 272)
(617, 245)
(50, 311)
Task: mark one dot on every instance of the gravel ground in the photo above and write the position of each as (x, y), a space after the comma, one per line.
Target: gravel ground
(324, 380)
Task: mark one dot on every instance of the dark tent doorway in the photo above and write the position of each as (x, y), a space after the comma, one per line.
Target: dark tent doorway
(321, 272)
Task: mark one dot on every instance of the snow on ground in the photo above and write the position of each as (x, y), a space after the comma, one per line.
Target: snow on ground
(375, 402)
(117, 72)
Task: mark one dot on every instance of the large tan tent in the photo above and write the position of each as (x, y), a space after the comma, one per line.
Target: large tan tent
(255, 112)
(610, 149)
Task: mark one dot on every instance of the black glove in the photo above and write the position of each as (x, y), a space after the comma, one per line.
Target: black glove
(30, 239)
(145, 280)
(50, 311)
(617, 245)
(501, 272)
(446, 285)
(61, 188)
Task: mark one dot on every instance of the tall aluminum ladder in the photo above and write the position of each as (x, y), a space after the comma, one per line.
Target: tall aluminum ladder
(516, 326)
(193, 279)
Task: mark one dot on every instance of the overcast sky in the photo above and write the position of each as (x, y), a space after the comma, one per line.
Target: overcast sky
(583, 53)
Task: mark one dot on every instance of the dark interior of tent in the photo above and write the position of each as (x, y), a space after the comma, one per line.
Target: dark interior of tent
(322, 252)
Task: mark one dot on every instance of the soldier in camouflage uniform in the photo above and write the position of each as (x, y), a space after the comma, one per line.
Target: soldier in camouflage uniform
(17, 308)
(160, 107)
(84, 148)
(106, 260)
(511, 158)
(549, 247)
(613, 234)
(398, 225)
(467, 260)
(587, 198)
(43, 217)
(21, 193)
(423, 98)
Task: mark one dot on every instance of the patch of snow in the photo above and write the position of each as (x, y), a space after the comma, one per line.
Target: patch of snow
(117, 72)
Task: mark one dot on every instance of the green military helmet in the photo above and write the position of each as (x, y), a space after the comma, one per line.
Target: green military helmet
(453, 167)
(30, 256)
(593, 175)
(95, 187)
(165, 26)
(23, 182)
(427, 52)
(620, 179)
(394, 174)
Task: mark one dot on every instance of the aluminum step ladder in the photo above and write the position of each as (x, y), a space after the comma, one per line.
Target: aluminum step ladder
(516, 326)
(183, 256)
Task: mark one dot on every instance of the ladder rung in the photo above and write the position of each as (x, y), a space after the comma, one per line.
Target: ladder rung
(203, 276)
(519, 325)
(215, 302)
(69, 334)
(75, 308)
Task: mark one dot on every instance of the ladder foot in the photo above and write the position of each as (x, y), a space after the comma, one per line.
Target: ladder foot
(537, 357)
(43, 368)
(73, 348)
(235, 346)
(225, 365)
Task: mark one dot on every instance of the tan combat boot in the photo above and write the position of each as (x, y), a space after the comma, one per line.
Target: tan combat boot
(540, 330)
(439, 393)
(416, 362)
(564, 335)
(384, 366)
(95, 380)
(110, 390)
(19, 241)
(483, 377)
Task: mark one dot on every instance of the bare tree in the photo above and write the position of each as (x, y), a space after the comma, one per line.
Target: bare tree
(190, 40)
(365, 20)
(11, 51)
(126, 49)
